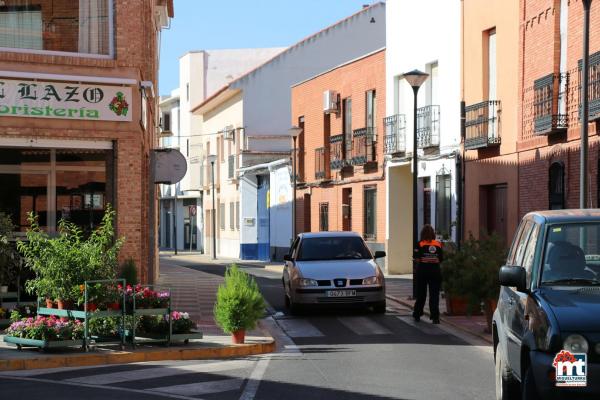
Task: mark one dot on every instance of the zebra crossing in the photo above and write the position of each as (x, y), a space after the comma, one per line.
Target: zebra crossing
(175, 379)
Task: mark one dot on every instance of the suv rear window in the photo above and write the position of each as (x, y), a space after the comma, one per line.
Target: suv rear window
(333, 248)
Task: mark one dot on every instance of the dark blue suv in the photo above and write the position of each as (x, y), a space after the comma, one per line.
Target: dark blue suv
(549, 304)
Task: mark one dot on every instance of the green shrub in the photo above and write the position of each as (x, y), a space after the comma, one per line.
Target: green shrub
(239, 303)
(472, 271)
(129, 272)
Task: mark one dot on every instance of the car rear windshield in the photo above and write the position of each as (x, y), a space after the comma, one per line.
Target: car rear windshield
(572, 255)
(333, 248)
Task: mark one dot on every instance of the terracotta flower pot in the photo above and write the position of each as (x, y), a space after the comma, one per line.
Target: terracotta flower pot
(238, 337)
(114, 306)
(64, 304)
(91, 307)
(49, 303)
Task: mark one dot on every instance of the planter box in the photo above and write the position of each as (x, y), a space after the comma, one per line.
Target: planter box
(79, 314)
(458, 306)
(43, 344)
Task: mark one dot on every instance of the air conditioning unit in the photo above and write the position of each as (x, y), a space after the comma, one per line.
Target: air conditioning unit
(229, 133)
(330, 102)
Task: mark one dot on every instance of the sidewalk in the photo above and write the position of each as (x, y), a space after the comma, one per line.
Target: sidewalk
(399, 289)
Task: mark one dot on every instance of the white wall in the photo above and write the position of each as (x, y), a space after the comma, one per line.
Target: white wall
(267, 93)
(412, 44)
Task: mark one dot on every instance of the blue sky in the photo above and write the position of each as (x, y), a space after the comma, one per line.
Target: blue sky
(229, 24)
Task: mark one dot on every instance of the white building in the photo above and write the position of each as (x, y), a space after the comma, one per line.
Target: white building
(201, 73)
(411, 44)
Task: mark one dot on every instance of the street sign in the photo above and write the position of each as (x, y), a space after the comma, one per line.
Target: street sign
(169, 166)
(193, 210)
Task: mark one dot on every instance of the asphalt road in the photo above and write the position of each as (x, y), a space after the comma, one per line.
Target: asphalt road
(332, 354)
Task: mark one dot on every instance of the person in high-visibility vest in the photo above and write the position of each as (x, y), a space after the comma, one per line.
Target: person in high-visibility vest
(429, 255)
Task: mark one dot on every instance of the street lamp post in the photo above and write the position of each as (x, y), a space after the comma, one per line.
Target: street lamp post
(294, 133)
(211, 159)
(415, 79)
(585, 66)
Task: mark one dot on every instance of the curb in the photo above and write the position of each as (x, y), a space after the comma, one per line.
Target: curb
(124, 357)
(445, 320)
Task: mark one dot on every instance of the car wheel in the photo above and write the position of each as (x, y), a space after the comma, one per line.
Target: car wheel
(528, 388)
(286, 300)
(294, 308)
(379, 308)
(506, 385)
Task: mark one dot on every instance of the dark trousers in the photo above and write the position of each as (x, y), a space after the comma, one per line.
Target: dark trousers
(428, 276)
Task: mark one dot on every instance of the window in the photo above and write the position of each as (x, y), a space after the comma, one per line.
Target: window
(557, 186)
(166, 122)
(529, 256)
(84, 27)
(433, 85)
(520, 250)
(222, 216)
(347, 127)
(187, 91)
(370, 212)
(237, 215)
(231, 216)
(72, 184)
(371, 110)
(333, 248)
(426, 200)
(324, 217)
(443, 204)
(491, 64)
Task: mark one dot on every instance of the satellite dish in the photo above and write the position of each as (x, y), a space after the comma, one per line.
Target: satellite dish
(169, 166)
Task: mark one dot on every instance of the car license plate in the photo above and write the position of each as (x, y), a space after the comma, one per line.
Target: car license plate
(341, 293)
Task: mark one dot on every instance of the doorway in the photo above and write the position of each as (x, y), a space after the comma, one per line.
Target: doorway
(493, 210)
(347, 209)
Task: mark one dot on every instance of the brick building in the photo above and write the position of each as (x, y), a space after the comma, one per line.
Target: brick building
(78, 115)
(340, 151)
(549, 138)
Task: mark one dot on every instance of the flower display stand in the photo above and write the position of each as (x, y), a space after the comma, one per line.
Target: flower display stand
(87, 315)
(137, 311)
(43, 344)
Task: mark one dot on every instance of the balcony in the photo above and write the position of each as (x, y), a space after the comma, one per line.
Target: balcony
(593, 87)
(428, 126)
(336, 151)
(482, 124)
(231, 167)
(321, 172)
(395, 134)
(363, 146)
(550, 104)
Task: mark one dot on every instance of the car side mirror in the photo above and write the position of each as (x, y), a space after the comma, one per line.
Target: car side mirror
(379, 254)
(287, 257)
(514, 277)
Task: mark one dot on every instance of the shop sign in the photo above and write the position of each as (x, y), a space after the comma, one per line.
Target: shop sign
(34, 99)
(169, 166)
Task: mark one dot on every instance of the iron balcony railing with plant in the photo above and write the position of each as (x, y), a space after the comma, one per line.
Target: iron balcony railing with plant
(363, 146)
(336, 152)
(550, 104)
(482, 124)
(593, 86)
(320, 164)
(231, 166)
(395, 134)
(428, 126)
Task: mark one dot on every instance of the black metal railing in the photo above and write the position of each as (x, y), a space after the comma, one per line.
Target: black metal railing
(428, 126)
(550, 104)
(482, 124)
(336, 151)
(363, 146)
(593, 86)
(395, 134)
(231, 165)
(320, 163)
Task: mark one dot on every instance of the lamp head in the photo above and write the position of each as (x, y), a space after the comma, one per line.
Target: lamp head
(211, 158)
(415, 78)
(294, 131)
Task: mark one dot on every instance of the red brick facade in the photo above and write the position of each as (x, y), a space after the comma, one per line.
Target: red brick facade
(539, 150)
(136, 46)
(323, 183)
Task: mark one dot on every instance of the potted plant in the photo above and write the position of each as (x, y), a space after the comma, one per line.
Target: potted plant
(472, 272)
(239, 304)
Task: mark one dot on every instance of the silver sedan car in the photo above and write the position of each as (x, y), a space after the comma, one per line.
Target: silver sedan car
(332, 268)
